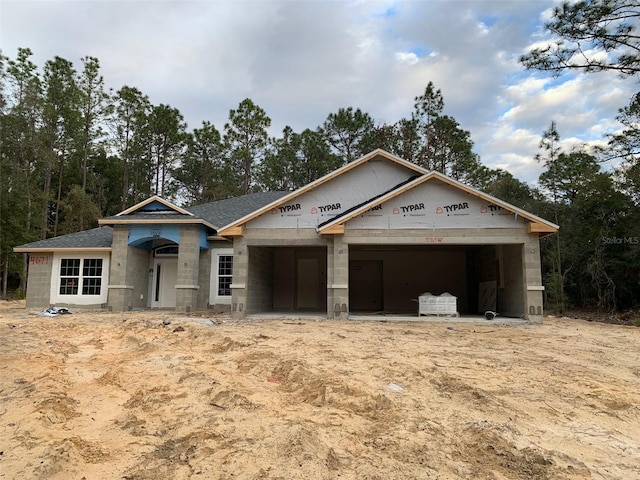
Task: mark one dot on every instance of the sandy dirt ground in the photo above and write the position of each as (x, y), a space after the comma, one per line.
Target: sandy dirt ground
(154, 396)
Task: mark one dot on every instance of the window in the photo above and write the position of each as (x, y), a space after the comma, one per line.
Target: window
(225, 272)
(72, 276)
(221, 276)
(166, 250)
(69, 276)
(92, 276)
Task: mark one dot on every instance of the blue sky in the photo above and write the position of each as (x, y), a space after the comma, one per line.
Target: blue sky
(302, 60)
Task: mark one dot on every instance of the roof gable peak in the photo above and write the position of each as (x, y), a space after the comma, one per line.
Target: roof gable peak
(154, 203)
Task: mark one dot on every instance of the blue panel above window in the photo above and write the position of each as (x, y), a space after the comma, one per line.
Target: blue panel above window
(139, 234)
(142, 235)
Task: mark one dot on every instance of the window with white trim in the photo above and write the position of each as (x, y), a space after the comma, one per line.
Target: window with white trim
(80, 276)
(225, 275)
(221, 277)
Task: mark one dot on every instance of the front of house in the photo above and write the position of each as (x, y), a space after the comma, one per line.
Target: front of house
(370, 237)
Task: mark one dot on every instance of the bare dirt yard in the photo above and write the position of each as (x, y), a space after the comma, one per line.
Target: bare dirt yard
(155, 396)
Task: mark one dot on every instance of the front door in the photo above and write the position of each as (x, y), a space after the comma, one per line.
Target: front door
(165, 277)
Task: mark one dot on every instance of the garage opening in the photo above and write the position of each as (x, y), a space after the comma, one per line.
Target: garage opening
(389, 279)
(287, 279)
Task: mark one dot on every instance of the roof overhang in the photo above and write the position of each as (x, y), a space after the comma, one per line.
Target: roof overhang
(152, 221)
(212, 238)
(62, 249)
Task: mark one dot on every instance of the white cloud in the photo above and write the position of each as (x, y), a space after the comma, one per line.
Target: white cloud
(301, 61)
(407, 57)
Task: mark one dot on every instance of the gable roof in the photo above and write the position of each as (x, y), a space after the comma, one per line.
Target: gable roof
(154, 209)
(235, 227)
(94, 240)
(336, 224)
(149, 201)
(211, 214)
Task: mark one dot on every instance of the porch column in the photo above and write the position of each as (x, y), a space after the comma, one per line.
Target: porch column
(120, 298)
(188, 268)
(339, 283)
(240, 278)
(533, 280)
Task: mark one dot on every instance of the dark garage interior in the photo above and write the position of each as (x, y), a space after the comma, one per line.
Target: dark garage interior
(390, 279)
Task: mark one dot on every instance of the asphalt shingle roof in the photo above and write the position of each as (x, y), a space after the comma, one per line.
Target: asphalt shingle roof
(100, 237)
(219, 214)
(223, 212)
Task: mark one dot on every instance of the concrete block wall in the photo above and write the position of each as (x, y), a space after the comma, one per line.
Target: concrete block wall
(188, 269)
(120, 291)
(260, 280)
(533, 280)
(204, 279)
(240, 274)
(330, 276)
(128, 273)
(511, 294)
(138, 276)
(529, 262)
(263, 238)
(340, 281)
(39, 280)
(521, 259)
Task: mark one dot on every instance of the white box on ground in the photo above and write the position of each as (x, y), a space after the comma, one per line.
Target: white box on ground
(445, 304)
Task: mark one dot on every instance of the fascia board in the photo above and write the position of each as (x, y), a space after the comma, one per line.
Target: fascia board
(133, 221)
(61, 249)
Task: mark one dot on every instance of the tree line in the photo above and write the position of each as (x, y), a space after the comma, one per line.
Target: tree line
(72, 152)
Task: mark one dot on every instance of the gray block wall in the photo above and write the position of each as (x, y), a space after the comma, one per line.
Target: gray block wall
(339, 284)
(240, 278)
(187, 285)
(120, 290)
(128, 273)
(533, 280)
(511, 292)
(204, 280)
(260, 280)
(521, 292)
(39, 280)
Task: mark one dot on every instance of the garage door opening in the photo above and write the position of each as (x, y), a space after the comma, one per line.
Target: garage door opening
(390, 279)
(287, 279)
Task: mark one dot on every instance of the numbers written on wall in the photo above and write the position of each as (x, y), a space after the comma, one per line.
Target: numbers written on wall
(42, 260)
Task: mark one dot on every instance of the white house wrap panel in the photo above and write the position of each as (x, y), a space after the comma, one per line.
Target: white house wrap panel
(332, 198)
(435, 205)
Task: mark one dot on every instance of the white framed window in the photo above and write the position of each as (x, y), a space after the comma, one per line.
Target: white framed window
(79, 279)
(225, 275)
(221, 276)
